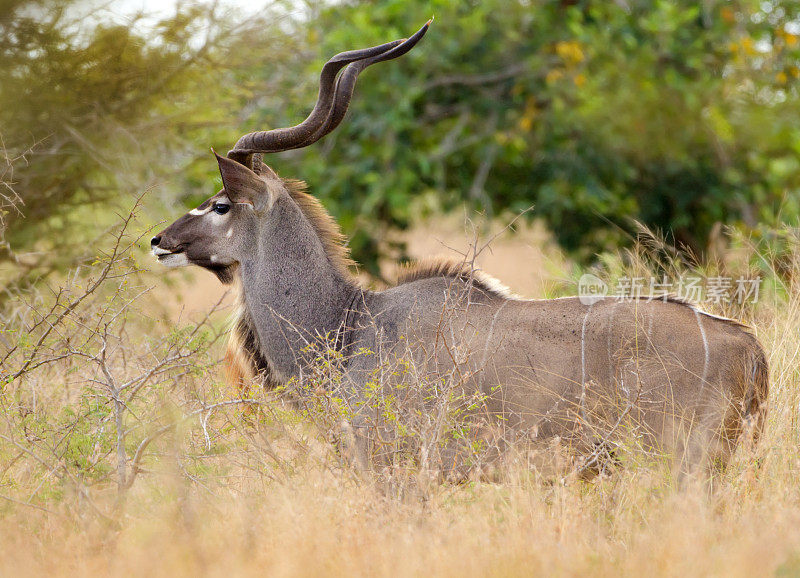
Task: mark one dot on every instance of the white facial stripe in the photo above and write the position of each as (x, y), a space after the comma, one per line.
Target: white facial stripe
(174, 260)
(200, 212)
(229, 233)
(159, 251)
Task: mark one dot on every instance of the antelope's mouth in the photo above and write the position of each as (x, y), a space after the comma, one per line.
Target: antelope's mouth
(174, 258)
(159, 252)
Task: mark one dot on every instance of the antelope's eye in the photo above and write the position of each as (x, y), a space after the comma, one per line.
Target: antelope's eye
(221, 208)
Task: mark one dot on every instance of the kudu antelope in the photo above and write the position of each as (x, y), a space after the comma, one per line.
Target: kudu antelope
(541, 369)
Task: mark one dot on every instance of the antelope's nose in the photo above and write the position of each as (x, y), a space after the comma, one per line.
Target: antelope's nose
(155, 241)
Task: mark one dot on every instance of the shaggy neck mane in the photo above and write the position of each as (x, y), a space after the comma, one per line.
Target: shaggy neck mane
(326, 228)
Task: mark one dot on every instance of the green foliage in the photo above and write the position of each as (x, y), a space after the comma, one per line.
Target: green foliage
(676, 114)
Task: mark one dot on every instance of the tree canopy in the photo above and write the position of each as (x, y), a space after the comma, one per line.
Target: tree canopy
(676, 114)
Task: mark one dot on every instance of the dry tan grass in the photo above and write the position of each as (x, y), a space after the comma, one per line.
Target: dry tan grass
(319, 526)
(227, 492)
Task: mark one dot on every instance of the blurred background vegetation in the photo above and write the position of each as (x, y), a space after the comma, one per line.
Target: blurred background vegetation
(680, 114)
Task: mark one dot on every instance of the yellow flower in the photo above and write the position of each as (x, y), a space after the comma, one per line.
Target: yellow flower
(748, 45)
(570, 51)
(553, 75)
(529, 115)
(579, 80)
(781, 77)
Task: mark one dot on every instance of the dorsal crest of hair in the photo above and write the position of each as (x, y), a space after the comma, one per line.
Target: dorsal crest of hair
(453, 268)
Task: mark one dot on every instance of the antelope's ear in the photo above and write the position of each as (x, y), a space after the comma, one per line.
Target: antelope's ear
(243, 185)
